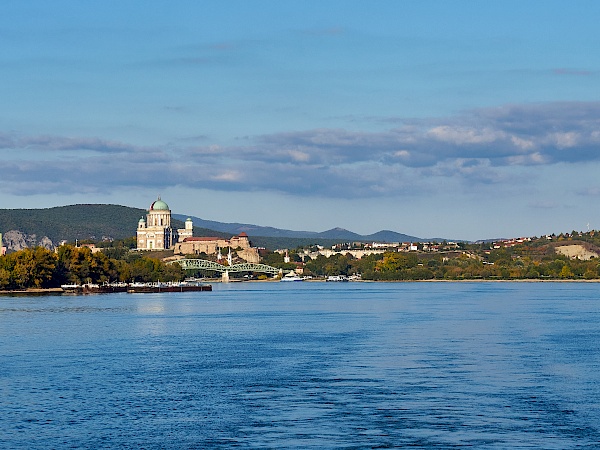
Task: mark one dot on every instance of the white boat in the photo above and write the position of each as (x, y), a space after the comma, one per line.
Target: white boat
(71, 287)
(291, 277)
(336, 278)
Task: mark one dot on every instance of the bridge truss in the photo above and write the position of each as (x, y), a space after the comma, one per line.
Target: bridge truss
(201, 264)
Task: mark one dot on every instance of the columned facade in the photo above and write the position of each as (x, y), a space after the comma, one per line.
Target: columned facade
(155, 232)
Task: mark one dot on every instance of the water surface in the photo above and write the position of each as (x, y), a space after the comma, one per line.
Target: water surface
(305, 365)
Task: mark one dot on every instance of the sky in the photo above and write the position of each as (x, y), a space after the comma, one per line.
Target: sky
(463, 120)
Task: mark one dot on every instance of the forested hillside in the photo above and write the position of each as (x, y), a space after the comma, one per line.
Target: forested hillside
(81, 222)
(108, 222)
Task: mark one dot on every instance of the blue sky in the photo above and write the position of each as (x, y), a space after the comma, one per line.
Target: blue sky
(465, 119)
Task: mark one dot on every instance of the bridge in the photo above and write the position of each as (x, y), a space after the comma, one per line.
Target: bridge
(201, 264)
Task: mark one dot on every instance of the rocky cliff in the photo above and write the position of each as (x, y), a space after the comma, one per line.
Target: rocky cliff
(15, 240)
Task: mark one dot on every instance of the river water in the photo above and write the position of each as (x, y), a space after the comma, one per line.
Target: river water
(305, 365)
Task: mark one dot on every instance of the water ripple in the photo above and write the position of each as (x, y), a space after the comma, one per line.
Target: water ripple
(259, 366)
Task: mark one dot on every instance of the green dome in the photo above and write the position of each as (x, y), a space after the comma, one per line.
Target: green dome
(142, 220)
(159, 205)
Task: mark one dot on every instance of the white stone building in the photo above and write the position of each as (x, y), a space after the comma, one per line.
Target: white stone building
(155, 232)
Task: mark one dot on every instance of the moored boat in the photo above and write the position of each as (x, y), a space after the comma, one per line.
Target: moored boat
(105, 288)
(108, 288)
(184, 286)
(72, 288)
(291, 277)
(336, 278)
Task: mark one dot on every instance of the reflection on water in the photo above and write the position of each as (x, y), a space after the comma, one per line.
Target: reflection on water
(150, 320)
(147, 305)
(313, 365)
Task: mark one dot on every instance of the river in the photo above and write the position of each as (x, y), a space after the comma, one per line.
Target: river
(304, 365)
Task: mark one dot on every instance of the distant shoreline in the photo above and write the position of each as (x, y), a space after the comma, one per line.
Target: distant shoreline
(557, 280)
(532, 280)
(33, 291)
(42, 291)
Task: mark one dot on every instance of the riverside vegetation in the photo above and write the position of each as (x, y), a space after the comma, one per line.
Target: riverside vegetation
(42, 268)
(533, 260)
(536, 259)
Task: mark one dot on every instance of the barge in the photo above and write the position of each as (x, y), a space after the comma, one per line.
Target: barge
(185, 286)
(134, 288)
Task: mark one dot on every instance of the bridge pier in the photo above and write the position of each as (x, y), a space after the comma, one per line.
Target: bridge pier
(225, 277)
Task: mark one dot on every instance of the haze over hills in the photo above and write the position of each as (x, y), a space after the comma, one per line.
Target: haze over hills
(104, 222)
(335, 233)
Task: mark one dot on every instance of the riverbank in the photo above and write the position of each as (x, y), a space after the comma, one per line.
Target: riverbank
(50, 291)
(31, 291)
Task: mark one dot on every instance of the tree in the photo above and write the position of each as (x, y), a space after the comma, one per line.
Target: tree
(566, 272)
(5, 278)
(394, 262)
(276, 260)
(34, 268)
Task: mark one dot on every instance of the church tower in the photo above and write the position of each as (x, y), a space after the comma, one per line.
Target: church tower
(186, 232)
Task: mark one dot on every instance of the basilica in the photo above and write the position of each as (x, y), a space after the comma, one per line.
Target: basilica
(155, 232)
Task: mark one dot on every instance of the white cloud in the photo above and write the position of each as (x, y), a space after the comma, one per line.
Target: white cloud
(527, 160)
(523, 144)
(565, 139)
(474, 149)
(229, 175)
(299, 156)
(462, 135)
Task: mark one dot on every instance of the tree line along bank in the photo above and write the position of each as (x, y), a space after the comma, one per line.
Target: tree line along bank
(522, 259)
(536, 259)
(42, 268)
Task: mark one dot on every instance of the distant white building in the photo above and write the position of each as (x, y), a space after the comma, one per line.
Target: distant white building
(155, 231)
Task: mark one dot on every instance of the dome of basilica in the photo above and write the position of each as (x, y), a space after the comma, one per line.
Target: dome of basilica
(159, 205)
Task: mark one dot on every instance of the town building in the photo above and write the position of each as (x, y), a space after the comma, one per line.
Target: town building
(92, 247)
(212, 246)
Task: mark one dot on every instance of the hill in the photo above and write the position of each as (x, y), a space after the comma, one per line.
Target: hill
(100, 222)
(335, 234)
(392, 236)
(81, 222)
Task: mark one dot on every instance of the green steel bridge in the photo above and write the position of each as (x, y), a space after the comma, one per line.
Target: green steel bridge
(201, 264)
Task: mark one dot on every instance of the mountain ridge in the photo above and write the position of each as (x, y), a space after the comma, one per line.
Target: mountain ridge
(266, 231)
(106, 221)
